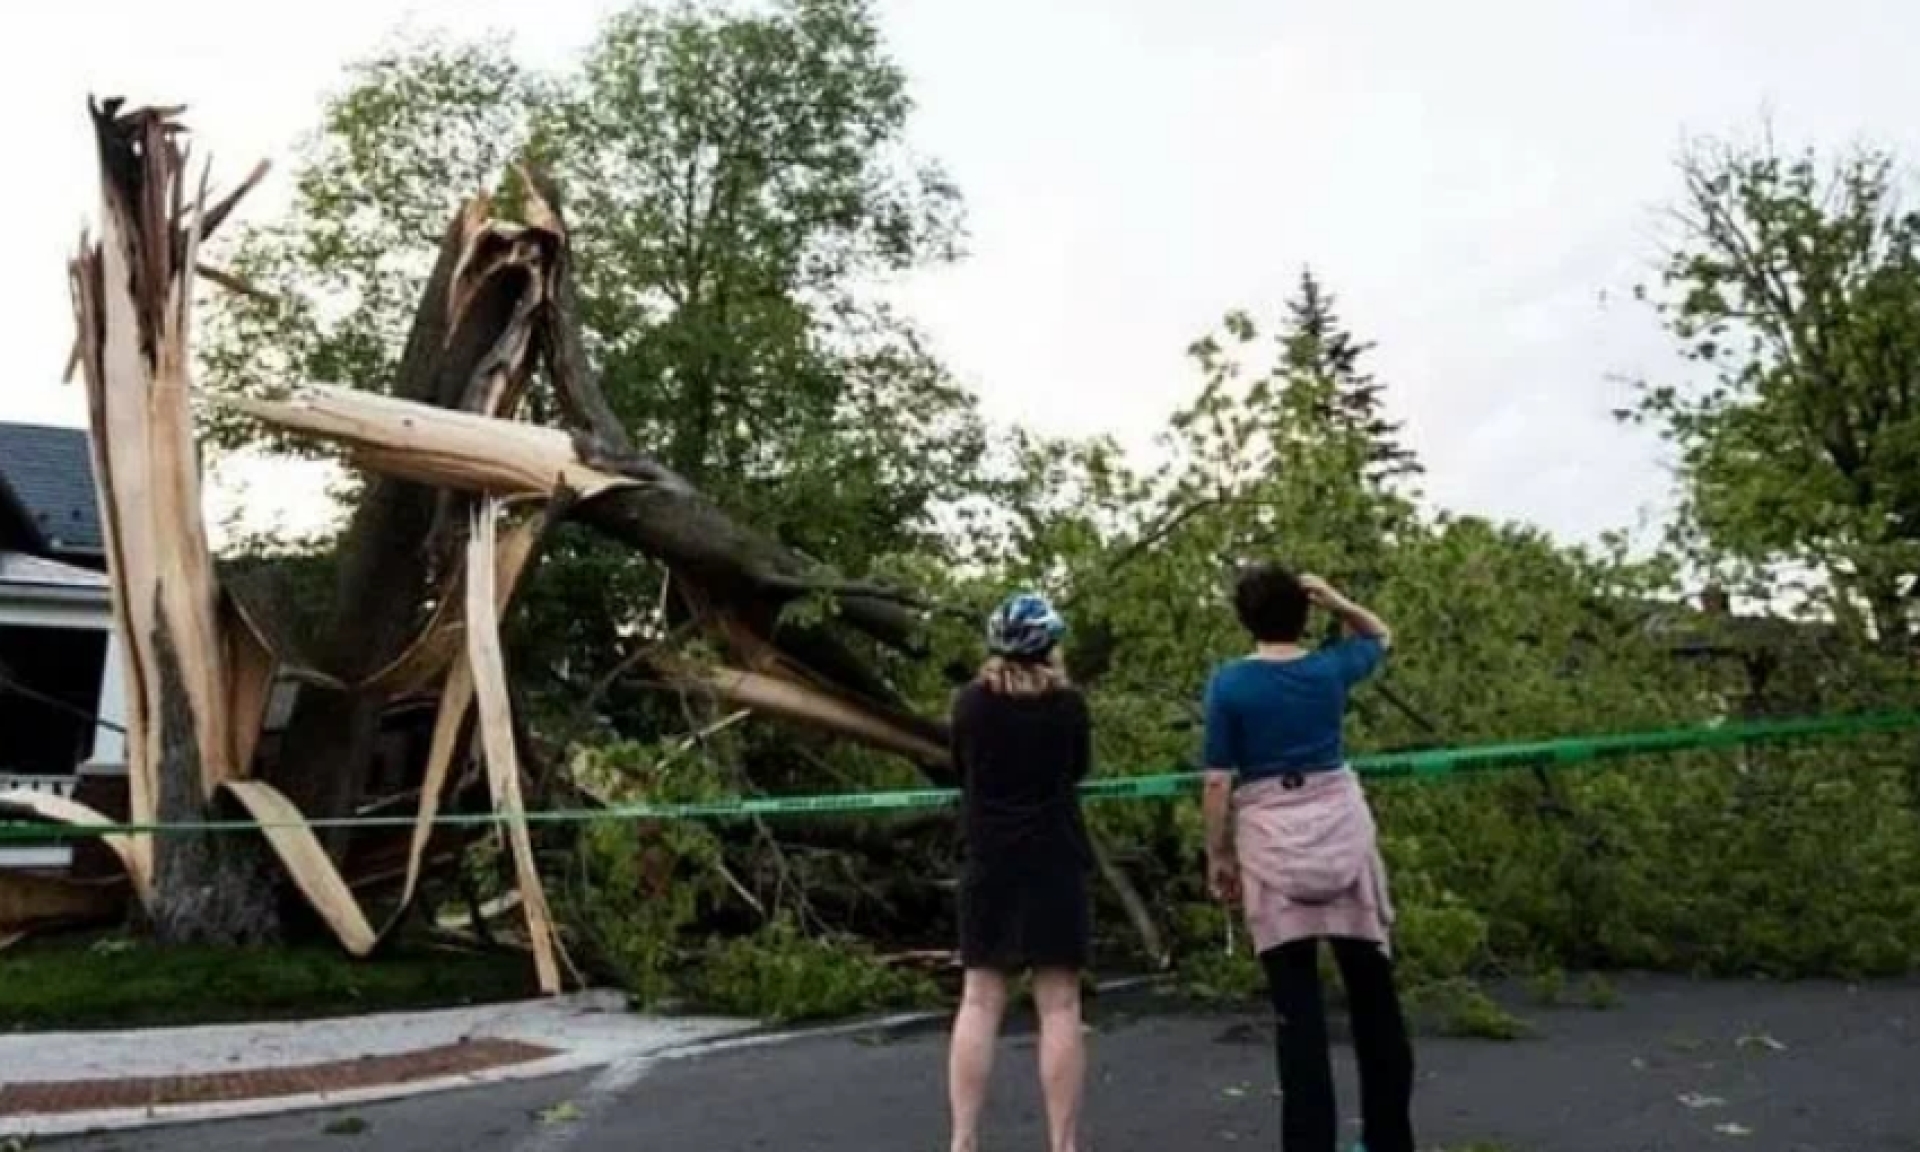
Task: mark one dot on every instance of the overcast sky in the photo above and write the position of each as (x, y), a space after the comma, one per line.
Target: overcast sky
(1480, 182)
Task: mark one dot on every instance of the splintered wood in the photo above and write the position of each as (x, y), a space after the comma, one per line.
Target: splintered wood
(494, 457)
(446, 461)
(496, 739)
(199, 671)
(133, 297)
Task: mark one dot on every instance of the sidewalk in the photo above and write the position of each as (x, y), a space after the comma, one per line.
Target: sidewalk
(68, 1082)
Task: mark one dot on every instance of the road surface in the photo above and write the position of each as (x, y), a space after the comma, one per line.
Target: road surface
(1675, 1067)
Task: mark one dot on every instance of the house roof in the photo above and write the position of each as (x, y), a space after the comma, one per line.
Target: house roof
(48, 474)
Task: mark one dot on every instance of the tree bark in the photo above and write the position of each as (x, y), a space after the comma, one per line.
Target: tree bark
(208, 887)
(1892, 615)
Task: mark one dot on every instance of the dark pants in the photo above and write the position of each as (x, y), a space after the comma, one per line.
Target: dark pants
(1308, 1122)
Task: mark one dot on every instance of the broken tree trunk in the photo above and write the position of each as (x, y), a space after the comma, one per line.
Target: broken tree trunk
(133, 294)
(472, 347)
(202, 662)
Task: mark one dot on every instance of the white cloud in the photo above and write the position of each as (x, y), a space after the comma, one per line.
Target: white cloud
(1470, 178)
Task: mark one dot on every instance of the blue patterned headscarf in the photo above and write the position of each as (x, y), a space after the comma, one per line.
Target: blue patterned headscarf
(1026, 627)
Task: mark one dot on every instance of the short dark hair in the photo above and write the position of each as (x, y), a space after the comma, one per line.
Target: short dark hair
(1271, 603)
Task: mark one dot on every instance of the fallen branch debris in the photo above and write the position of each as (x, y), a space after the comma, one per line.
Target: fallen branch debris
(426, 570)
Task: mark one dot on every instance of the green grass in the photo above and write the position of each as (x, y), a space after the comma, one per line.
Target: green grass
(80, 982)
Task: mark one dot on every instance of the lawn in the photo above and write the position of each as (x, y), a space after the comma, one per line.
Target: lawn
(112, 981)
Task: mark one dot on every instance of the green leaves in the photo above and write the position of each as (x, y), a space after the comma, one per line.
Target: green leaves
(1796, 285)
(783, 974)
(736, 181)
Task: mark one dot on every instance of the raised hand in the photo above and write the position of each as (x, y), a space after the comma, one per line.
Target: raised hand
(1319, 591)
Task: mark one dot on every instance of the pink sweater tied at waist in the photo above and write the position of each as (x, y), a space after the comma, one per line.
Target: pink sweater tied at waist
(1310, 861)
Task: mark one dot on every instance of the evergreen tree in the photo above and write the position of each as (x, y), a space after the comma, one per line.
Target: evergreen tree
(1334, 398)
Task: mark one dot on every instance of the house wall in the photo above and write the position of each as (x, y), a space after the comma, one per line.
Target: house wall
(37, 738)
(93, 620)
(65, 646)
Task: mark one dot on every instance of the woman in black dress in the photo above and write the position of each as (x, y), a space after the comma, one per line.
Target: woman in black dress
(1022, 744)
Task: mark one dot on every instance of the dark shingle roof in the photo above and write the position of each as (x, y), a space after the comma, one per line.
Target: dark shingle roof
(49, 473)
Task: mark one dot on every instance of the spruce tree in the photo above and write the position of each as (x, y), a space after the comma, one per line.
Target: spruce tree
(1327, 389)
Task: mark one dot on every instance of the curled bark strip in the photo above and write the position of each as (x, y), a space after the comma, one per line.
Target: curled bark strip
(307, 862)
(512, 555)
(497, 741)
(61, 810)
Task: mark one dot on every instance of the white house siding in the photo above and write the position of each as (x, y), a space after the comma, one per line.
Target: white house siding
(45, 594)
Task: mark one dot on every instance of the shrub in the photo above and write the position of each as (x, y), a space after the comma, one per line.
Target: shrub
(630, 901)
(783, 974)
(1461, 1009)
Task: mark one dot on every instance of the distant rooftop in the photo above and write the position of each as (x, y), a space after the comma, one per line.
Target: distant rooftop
(49, 473)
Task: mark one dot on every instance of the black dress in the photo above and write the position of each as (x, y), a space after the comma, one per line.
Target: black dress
(1023, 897)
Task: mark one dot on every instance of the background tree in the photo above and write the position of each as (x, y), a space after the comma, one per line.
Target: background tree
(739, 188)
(1332, 394)
(1796, 287)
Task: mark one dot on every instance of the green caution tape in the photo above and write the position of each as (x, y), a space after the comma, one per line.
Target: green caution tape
(1427, 764)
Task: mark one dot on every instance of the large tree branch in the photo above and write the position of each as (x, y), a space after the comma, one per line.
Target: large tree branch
(734, 566)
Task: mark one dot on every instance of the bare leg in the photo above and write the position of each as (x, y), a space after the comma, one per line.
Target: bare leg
(1063, 1054)
(970, 1062)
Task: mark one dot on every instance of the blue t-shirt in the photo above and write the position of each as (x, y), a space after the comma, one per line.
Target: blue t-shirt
(1273, 717)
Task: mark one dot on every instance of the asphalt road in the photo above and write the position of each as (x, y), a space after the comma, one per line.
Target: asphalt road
(1676, 1067)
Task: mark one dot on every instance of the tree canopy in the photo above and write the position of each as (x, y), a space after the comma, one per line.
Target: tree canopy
(1795, 286)
(739, 181)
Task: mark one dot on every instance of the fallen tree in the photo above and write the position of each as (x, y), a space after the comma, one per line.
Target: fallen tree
(459, 497)
(444, 455)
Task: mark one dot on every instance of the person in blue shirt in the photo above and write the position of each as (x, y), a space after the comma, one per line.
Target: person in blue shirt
(1291, 839)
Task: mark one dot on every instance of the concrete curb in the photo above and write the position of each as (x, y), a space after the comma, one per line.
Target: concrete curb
(43, 1125)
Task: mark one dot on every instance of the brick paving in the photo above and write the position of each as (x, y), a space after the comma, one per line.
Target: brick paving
(54, 1097)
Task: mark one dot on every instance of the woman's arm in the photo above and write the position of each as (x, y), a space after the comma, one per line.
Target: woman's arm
(1216, 808)
(1360, 620)
(1221, 758)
